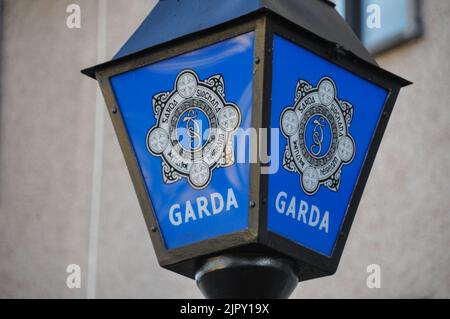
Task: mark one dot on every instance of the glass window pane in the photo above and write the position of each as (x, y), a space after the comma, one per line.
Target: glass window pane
(385, 23)
(340, 7)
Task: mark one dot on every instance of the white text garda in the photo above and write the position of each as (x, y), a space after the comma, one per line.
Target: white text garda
(202, 207)
(301, 211)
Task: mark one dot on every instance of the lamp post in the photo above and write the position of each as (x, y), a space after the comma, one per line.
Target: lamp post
(198, 75)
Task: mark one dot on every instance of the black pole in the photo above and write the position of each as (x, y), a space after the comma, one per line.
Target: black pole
(246, 276)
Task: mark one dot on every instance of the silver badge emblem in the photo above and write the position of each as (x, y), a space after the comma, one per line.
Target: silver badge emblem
(317, 131)
(194, 129)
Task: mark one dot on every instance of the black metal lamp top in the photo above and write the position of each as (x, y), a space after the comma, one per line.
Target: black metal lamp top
(173, 19)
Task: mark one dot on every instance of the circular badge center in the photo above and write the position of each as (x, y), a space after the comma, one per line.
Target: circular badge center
(318, 136)
(193, 129)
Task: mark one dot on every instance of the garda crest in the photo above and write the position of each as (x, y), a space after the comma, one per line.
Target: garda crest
(194, 129)
(317, 130)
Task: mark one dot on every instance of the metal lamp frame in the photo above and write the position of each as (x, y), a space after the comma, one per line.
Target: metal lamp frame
(186, 260)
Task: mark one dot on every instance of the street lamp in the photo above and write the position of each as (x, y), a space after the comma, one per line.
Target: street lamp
(196, 76)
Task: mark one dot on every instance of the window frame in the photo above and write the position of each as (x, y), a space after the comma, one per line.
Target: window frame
(355, 15)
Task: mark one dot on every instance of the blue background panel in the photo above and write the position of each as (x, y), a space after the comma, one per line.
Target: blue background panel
(134, 90)
(291, 64)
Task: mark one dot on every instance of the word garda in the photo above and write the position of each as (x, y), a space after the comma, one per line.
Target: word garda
(302, 212)
(202, 207)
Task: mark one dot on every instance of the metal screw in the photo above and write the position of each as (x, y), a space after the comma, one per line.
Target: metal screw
(114, 110)
(154, 229)
(257, 60)
(252, 204)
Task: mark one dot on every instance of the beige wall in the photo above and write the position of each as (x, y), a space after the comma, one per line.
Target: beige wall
(48, 180)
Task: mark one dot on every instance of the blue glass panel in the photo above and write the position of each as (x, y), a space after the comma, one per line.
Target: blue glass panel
(327, 117)
(181, 115)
